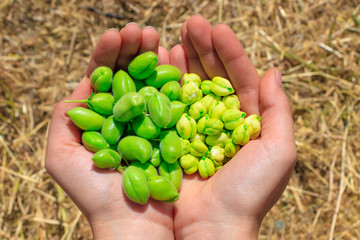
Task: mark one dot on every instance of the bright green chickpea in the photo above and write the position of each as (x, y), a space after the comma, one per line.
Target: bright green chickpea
(197, 110)
(241, 135)
(186, 126)
(253, 122)
(198, 148)
(217, 153)
(101, 79)
(189, 163)
(206, 167)
(231, 102)
(191, 77)
(221, 86)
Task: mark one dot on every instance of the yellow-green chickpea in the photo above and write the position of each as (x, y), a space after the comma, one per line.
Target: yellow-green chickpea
(253, 123)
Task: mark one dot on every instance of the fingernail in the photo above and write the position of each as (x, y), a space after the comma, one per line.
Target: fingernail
(132, 23)
(278, 77)
(112, 29)
(150, 27)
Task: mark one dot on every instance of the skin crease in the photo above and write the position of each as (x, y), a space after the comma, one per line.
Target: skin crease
(225, 206)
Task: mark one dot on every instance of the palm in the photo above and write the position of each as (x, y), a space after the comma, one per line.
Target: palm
(250, 184)
(98, 193)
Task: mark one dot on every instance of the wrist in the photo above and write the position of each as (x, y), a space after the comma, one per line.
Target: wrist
(220, 230)
(129, 229)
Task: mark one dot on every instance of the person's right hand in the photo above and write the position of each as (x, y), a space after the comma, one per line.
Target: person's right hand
(232, 203)
(98, 193)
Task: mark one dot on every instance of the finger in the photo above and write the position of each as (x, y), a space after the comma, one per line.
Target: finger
(62, 129)
(263, 164)
(150, 40)
(106, 51)
(193, 60)
(131, 36)
(199, 31)
(163, 55)
(276, 115)
(178, 58)
(240, 69)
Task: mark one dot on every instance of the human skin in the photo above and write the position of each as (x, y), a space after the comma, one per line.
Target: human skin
(229, 205)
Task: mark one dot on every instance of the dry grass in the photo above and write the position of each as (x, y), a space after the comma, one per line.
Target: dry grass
(44, 50)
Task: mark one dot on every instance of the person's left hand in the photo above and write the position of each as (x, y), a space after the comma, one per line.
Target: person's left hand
(98, 193)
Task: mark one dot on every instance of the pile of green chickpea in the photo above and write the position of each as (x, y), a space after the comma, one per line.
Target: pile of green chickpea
(160, 128)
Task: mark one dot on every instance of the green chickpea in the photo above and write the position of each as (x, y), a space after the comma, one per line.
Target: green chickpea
(101, 103)
(112, 130)
(101, 79)
(189, 163)
(106, 158)
(94, 141)
(159, 110)
(221, 86)
(163, 74)
(170, 146)
(135, 148)
(136, 185)
(144, 127)
(132, 104)
(173, 172)
(162, 189)
(143, 65)
(206, 167)
(86, 119)
(122, 84)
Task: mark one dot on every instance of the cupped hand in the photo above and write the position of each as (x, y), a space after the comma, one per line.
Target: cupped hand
(232, 203)
(98, 193)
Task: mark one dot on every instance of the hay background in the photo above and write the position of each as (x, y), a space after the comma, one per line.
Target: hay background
(44, 50)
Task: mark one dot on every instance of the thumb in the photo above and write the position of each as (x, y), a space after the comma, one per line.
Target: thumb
(276, 116)
(61, 128)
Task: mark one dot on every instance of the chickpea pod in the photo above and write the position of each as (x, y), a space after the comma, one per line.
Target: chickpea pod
(106, 158)
(170, 146)
(173, 172)
(135, 148)
(101, 103)
(253, 122)
(101, 79)
(132, 104)
(221, 86)
(186, 126)
(189, 163)
(163, 74)
(162, 189)
(206, 167)
(159, 110)
(191, 77)
(172, 90)
(147, 168)
(231, 102)
(135, 185)
(122, 84)
(190, 93)
(94, 141)
(198, 148)
(197, 110)
(144, 127)
(143, 65)
(233, 118)
(86, 119)
(205, 87)
(112, 130)
(241, 135)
